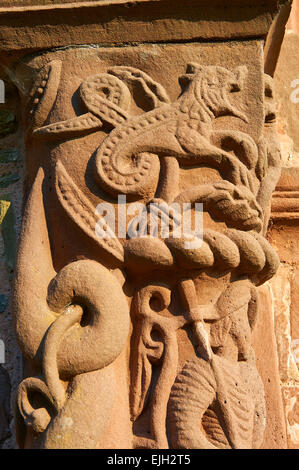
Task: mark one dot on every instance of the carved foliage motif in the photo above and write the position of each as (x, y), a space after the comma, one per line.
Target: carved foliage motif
(214, 398)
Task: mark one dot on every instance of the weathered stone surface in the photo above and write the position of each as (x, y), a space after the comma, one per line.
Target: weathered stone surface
(265, 347)
(5, 416)
(281, 291)
(7, 122)
(3, 302)
(293, 23)
(7, 179)
(291, 396)
(8, 232)
(11, 199)
(9, 155)
(287, 91)
(4, 206)
(294, 315)
(285, 199)
(40, 25)
(143, 125)
(138, 337)
(284, 232)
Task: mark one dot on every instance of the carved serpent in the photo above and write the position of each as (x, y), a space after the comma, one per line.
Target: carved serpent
(182, 129)
(83, 282)
(127, 161)
(49, 331)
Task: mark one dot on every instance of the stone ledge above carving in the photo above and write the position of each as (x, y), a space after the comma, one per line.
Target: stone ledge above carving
(40, 24)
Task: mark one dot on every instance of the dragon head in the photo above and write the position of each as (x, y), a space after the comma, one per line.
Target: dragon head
(211, 86)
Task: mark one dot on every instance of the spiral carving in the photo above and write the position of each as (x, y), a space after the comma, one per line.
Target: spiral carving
(75, 322)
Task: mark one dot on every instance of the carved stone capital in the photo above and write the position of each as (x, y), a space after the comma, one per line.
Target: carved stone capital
(138, 329)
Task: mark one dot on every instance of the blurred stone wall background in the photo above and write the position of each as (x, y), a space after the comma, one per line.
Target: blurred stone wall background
(283, 231)
(11, 199)
(283, 234)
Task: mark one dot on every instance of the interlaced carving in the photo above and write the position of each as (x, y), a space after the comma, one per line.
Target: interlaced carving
(214, 398)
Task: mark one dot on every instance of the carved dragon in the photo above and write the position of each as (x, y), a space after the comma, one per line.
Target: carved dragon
(182, 131)
(128, 160)
(139, 153)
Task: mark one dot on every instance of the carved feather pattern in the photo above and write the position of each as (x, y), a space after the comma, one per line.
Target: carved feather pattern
(213, 429)
(193, 391)
(148, 352)
(141, 382)
(70, 127)
(235, 401)
(199, 385)
(83, 213)
(43, 94)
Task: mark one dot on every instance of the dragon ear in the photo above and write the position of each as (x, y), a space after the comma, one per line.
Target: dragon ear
(241, 73)
(185, 80)
(193, 67)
